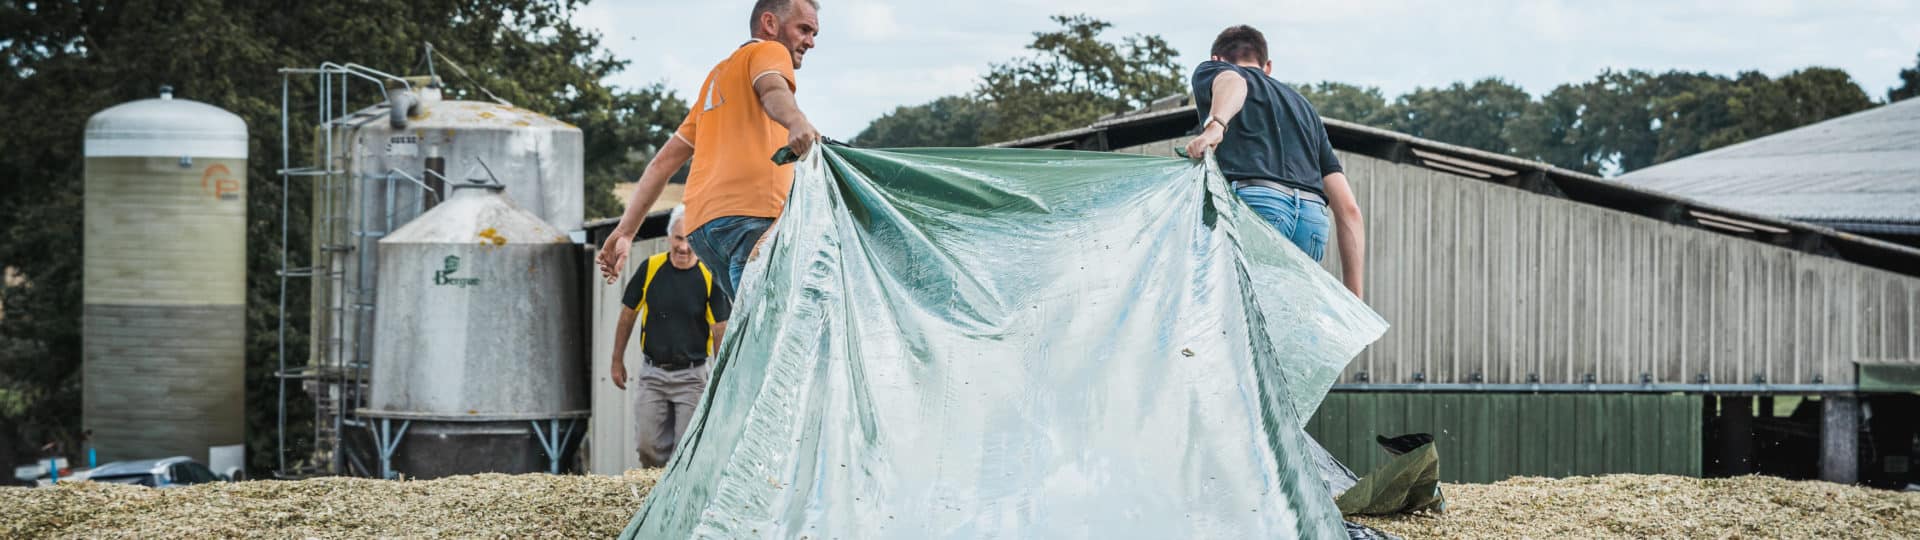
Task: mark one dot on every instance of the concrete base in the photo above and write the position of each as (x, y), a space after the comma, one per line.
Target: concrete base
(1840, 438)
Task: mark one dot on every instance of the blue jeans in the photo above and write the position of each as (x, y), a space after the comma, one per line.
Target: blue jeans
(1302, 221)
(724, 244)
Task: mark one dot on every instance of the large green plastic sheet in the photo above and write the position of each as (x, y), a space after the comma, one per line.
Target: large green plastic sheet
(997, 343)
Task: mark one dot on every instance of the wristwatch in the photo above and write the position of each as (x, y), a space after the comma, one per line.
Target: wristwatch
(1214, 120)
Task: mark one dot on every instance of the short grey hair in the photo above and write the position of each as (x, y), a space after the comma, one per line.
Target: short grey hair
(673, 219)
(779, 8)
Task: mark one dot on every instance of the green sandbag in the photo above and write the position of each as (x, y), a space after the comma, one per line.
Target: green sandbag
(1409, 482)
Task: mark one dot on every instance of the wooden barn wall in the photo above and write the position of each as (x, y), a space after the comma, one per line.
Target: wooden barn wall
(1482, 279)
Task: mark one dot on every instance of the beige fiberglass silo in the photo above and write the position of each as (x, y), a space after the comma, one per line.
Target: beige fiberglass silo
(165, 278)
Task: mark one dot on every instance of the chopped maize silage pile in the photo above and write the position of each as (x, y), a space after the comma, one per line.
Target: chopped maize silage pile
(479, 506)
(1638, 506)
(502, 506)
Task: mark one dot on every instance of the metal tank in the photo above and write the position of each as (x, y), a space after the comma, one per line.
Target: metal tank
(386, 165)
(477, 363)
(164, 279)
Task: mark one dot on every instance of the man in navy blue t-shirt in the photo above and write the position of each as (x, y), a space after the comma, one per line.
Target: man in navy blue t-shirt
(1271, 145)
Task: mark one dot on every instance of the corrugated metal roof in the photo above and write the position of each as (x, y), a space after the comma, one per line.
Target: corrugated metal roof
(1819, 238)
(1858, 169)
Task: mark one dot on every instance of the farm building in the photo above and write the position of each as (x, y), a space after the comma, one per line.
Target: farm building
(1546, 322)
(1553, 323)
(1858, 173)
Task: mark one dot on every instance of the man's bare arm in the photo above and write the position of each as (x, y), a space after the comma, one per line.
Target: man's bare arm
(621, 332)
(718, 331)
(1351, 231)
(613, 253)
(777, 98)
(1229, 96)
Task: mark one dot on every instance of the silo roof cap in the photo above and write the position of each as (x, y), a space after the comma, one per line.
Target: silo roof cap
(166, 127)
(477, 215)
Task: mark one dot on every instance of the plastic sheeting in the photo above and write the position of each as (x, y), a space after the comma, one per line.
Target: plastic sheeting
(993, 343)
(1410, 482)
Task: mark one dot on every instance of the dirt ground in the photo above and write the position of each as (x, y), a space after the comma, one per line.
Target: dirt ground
(502, 506)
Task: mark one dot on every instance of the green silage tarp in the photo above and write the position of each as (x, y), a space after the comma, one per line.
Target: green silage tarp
(975, 343)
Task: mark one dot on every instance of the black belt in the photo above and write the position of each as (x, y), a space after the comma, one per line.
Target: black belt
(1283, 188)
(677, 366)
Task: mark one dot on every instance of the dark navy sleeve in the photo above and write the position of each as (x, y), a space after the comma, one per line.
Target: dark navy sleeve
(1203, 75)
(1329, 161)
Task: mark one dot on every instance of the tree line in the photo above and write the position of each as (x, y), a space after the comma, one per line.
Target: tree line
(1617, 122)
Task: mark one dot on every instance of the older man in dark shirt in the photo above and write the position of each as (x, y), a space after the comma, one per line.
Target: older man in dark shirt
(682, 317)
(1270, 144)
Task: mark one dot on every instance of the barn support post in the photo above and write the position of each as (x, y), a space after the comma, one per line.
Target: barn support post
(1840, 438)
(1734, 441)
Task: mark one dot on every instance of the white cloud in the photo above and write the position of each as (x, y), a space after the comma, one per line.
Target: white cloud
(874, 55)
(910, 81)
(1097, 8)
(870, 21)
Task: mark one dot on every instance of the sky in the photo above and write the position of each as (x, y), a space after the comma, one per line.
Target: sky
(874, 55)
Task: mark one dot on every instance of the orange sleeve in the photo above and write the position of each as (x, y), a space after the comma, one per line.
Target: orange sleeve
(690, 126)
(771, 57)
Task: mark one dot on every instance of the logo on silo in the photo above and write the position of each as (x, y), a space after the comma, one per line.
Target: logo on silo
(445, 275)
(219, 183)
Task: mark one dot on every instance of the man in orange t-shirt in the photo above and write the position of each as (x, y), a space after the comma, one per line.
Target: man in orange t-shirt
(745, 113)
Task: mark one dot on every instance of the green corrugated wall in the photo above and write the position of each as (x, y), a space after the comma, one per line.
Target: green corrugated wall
(1490, 437)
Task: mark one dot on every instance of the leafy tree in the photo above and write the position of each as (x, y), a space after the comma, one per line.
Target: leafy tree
(1626, 120)
(1474, 116)
(1689, 114)
(1075, 77)
(66, 59)
(1616, 121)
(622, 138)
(1342, 101)
(1613, 122)
(948, 121)
(1909, 83)
(1621, 120)
(1762, 107)
(1550, 131)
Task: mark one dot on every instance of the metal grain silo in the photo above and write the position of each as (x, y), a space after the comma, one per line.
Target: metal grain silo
(164, 278)
(477, 363)
(390, 163)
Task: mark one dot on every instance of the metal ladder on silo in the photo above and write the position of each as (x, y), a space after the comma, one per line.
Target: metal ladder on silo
(334, 394)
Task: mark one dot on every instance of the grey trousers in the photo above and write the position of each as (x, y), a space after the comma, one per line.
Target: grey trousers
(662, 406)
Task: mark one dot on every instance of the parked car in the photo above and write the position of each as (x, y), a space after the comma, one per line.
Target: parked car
(166, 472)
(39, 474)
